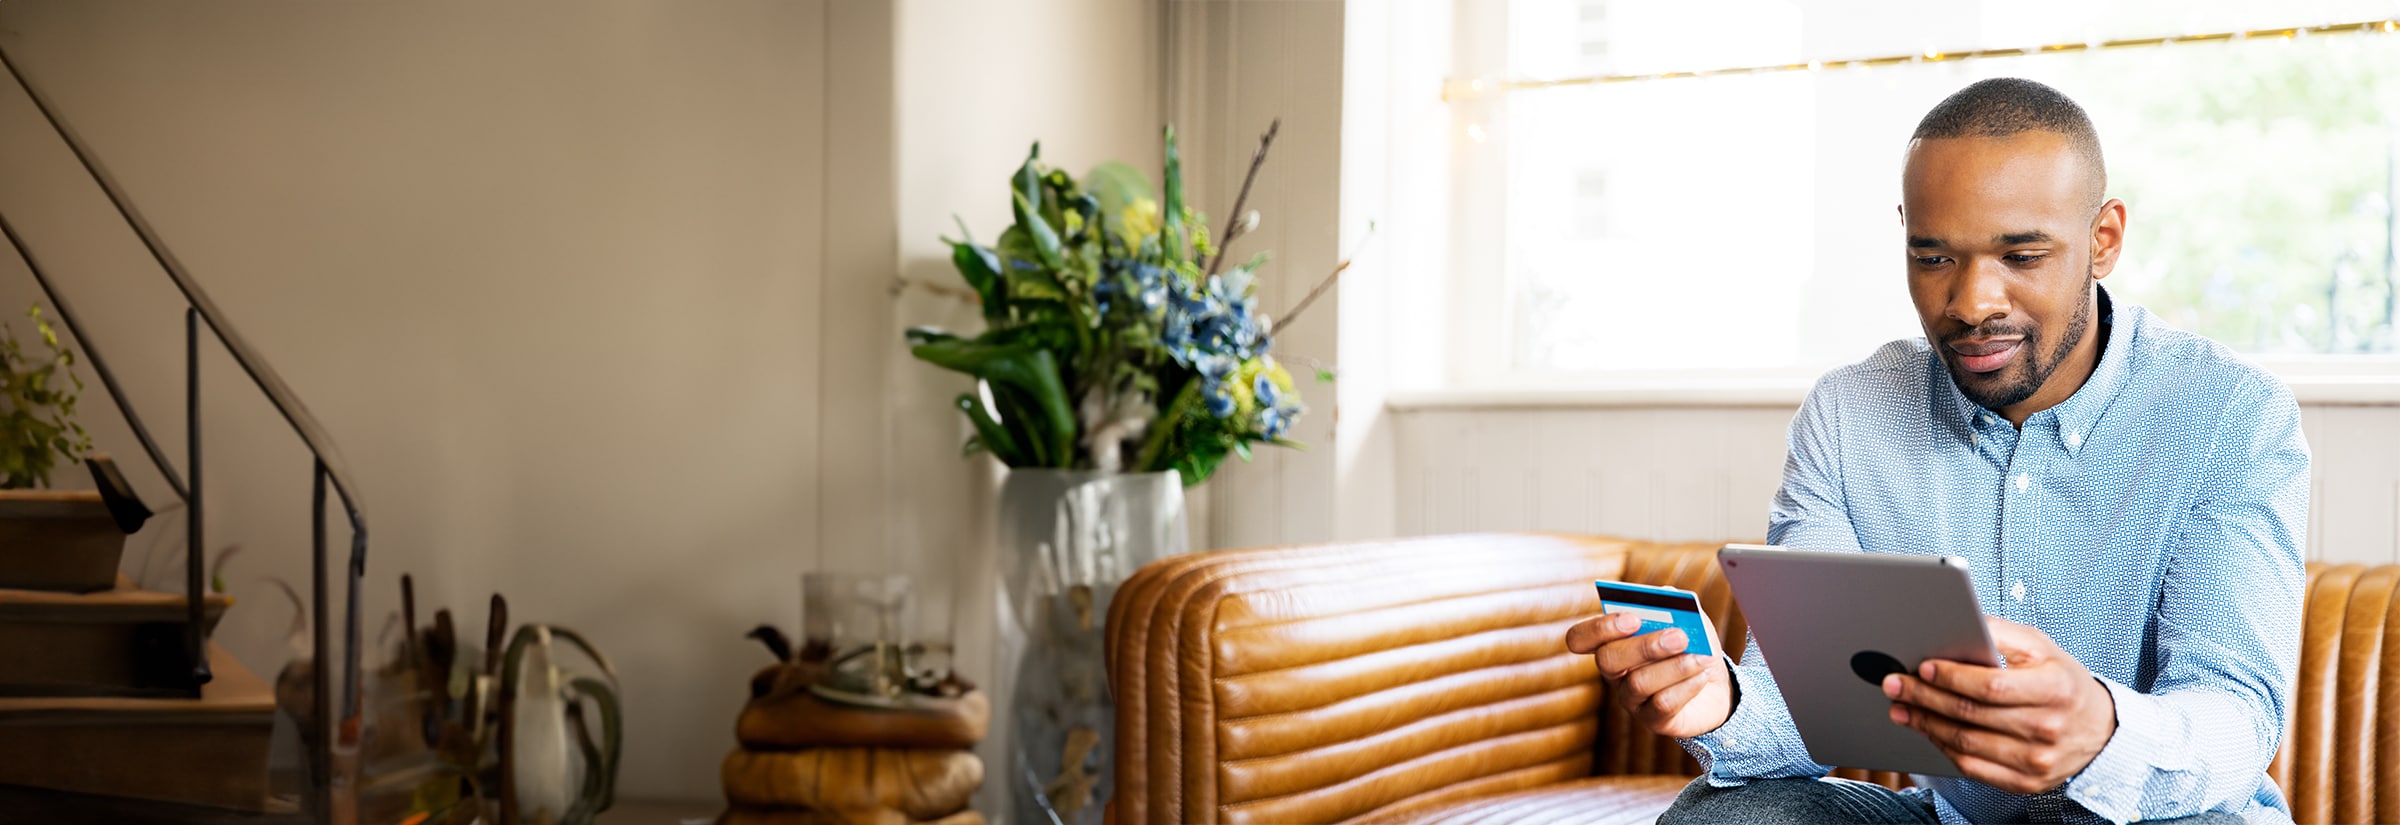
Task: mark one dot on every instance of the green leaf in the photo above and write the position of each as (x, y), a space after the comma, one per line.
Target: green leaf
(920, 336)
(1035, 285)
(1028, 181)
(980, 266)
(988, 432)
(612, 732)
(1171, 210)
(1197, 465)
(1025, 369)
(1045, 240)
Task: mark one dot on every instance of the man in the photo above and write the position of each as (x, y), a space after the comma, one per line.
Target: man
(2130, 498)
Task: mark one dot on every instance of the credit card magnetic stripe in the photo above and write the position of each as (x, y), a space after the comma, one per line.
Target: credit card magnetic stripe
(1659, 610)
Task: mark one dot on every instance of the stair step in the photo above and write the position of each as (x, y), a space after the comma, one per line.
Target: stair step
(121, 642)
(206, 751)
(58, 540)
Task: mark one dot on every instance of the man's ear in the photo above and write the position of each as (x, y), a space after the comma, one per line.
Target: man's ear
(2108, 237)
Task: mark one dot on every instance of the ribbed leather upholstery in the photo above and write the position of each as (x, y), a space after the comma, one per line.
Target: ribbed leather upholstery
(1425, 680)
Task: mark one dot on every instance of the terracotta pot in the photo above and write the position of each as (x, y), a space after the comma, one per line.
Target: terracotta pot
(60, 540)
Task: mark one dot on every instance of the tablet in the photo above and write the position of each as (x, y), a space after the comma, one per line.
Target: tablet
(1831, 625)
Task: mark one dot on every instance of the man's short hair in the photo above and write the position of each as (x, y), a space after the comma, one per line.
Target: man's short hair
(2007, 106)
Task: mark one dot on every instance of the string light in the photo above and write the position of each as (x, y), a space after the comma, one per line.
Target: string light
(1457, 90)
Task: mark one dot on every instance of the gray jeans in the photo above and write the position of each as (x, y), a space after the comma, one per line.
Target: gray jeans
(1810, 801)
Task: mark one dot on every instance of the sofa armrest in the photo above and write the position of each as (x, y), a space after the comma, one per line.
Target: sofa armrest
(1330, 682)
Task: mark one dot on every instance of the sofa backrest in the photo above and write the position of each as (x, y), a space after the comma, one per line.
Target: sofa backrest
(2340, 760)
(1369, 680)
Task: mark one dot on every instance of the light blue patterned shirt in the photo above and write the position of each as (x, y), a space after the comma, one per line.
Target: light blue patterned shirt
(2151, 525)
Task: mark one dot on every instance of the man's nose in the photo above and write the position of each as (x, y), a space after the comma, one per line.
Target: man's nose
(1980, 294)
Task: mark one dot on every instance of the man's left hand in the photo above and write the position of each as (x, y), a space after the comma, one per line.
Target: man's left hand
(2024, 729)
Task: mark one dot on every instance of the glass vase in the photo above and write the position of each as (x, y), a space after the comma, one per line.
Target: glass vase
(1066, 539)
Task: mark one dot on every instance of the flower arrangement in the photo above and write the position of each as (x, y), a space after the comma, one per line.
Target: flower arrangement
(1115, 338)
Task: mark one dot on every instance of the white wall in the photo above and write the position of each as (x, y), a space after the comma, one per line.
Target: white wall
(598, 298)
(1234, 66)
(1705, 473)
(978, 84)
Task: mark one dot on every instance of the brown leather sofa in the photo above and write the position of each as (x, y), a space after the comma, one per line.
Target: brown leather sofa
(1426, 680)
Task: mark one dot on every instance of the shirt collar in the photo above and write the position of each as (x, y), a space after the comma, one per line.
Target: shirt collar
(2077, 415)
(2080, 413)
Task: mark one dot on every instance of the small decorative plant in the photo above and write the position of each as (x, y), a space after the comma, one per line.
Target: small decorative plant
(1115, 337)
(37, 409)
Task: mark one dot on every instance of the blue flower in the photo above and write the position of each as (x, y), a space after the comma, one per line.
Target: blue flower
(1215, 367)
(1264, 388)
(1151, 280)
(1273, 421)
(1220, 402)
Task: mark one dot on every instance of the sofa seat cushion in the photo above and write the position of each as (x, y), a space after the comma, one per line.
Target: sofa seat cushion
(1598, 800)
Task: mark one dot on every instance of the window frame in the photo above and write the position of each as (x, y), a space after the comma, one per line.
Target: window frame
(1480, 366)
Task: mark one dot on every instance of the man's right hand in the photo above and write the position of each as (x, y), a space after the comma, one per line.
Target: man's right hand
(1668, 691)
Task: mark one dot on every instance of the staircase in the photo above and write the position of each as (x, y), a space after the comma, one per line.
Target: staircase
(95, 690)
(114, 706)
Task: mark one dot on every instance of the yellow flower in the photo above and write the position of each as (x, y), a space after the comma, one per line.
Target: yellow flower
(1245, 377)
(1139, 220)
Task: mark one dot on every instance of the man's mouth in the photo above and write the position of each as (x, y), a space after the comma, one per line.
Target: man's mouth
(1981, 355)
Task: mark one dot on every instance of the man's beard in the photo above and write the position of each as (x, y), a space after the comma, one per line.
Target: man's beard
(2019, 381)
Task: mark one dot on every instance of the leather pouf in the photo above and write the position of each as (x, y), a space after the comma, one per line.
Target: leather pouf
(873, 816)
(791, 719)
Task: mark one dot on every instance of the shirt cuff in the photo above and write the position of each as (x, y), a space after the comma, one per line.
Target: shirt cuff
(1729, 739)
(2119, 779)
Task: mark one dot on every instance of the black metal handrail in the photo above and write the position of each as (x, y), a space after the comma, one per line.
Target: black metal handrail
(201, 312)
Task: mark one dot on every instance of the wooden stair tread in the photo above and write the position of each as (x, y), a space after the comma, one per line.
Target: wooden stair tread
(49, 503)
(210, 751)
(234, 692)
(125, 602)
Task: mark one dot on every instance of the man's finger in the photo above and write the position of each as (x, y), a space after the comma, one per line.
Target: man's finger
(1588, 635)
(1955, 737)
(1651, 678)
(2020, 721)
(1623, 655)
(1670, 700)
(2020, 645)
(2014, 687)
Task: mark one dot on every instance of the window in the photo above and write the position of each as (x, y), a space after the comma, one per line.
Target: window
(1742, 225)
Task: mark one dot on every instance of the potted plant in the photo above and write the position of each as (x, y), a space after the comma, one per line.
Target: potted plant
(61, 540)
(1121, 361)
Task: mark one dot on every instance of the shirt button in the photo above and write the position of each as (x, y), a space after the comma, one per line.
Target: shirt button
(2022, 481)
(1974, 439)
(2074, 439)
(2018, 591)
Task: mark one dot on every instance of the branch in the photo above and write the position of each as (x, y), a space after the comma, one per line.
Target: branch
(1234, 222)
(1276, 327)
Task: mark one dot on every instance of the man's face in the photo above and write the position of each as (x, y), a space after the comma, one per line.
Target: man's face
(2003, 246)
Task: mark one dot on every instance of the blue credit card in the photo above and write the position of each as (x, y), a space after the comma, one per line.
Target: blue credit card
(1660, 608)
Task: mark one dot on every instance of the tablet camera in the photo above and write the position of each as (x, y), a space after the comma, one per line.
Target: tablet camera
(1874, 665)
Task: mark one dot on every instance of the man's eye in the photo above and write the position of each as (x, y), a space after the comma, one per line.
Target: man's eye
(1930, 260)
(2022, 260)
